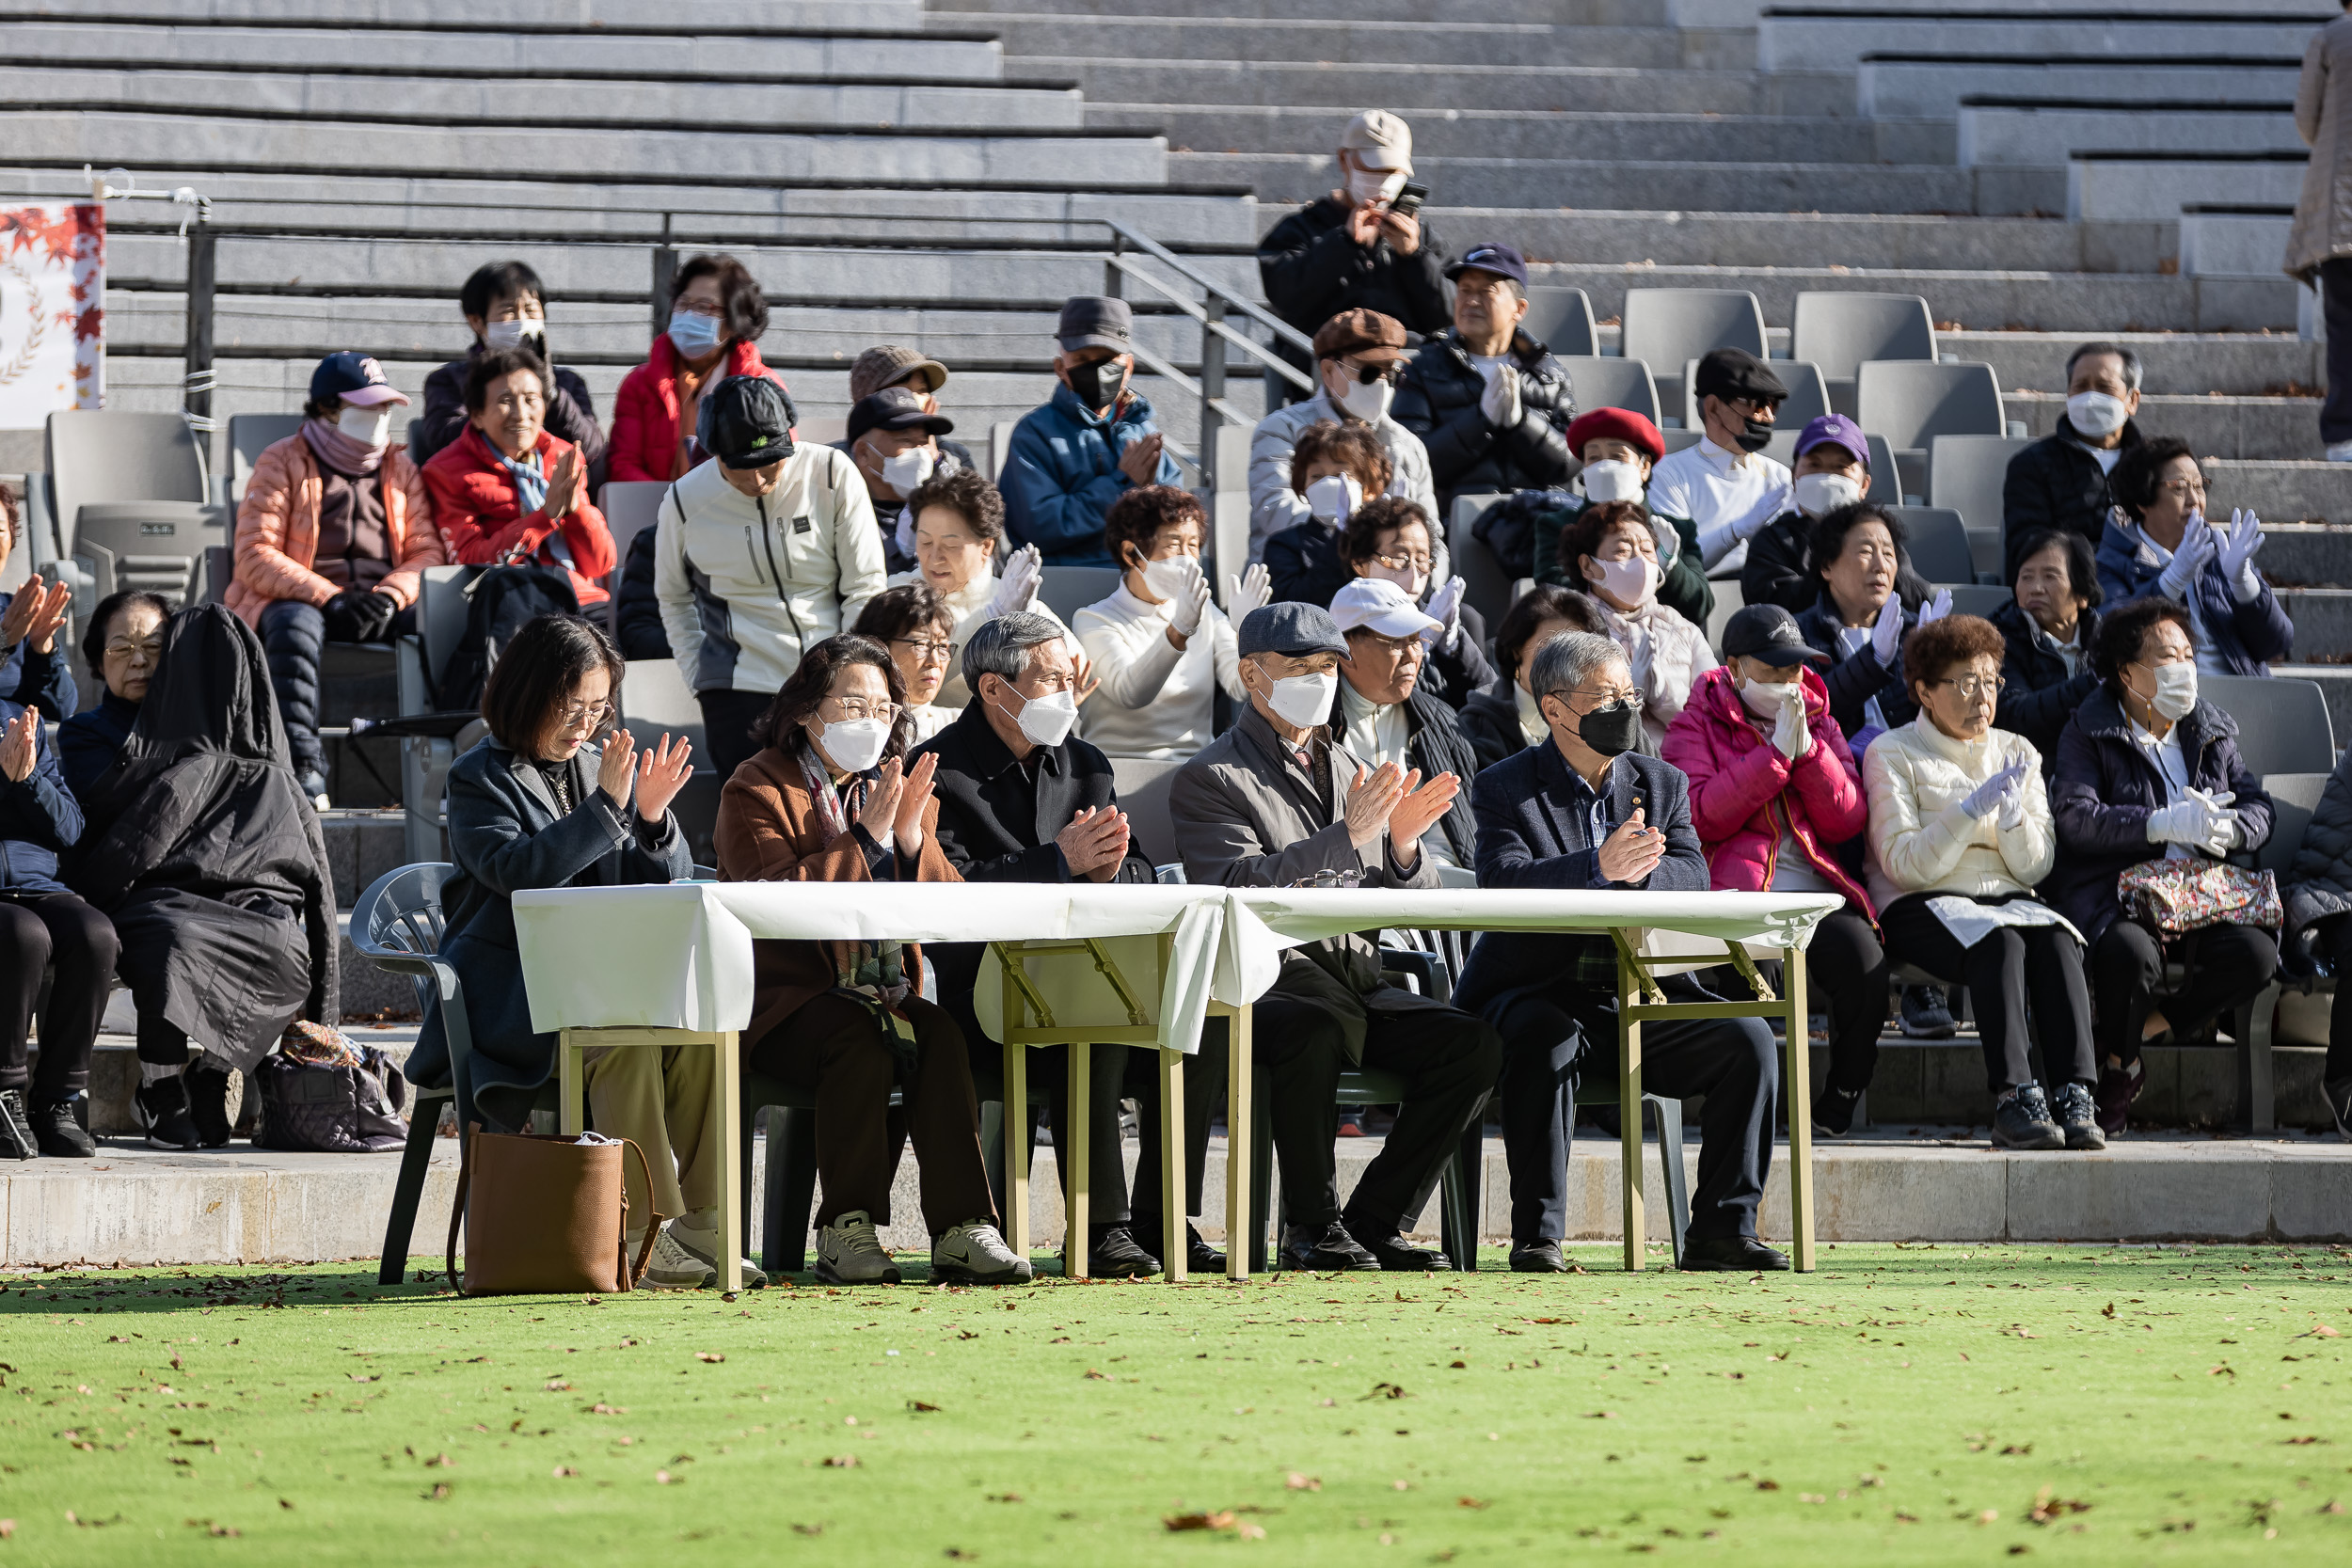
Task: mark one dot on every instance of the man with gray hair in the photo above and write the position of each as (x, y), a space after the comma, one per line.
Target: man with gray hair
(1278, 800)
(2062, 480)
(1584, 810)
(1023, 800)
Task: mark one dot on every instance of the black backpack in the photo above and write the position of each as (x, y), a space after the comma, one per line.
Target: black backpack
(1507, 528)
(499, 602)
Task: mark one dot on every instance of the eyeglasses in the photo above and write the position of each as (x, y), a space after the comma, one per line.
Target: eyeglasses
(151, 650)
(1418, 560)
(1390, 372)
(714, 311)
(1753, 406)
(577, 714)
(1630, 697)
(1975, 687)
(926, 651)
(851, 709)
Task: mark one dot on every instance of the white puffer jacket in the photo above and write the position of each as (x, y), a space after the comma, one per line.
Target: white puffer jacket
(1921, 841)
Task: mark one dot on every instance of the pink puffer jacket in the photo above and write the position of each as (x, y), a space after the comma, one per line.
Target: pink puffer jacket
(1742, 787)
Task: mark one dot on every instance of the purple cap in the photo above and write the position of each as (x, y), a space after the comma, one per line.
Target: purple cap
(1835, 430)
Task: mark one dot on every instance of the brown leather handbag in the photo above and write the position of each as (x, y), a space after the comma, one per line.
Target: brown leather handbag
(545, 1216)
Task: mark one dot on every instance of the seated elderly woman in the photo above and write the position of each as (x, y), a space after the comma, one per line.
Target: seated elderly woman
(34, 668)
(959, 533)
(1611, 548)
(1501, 718)
(1618, 448)
(124, 643)
(2158, 542)
(1390, 538)
(207, 857)
(919, 629)
(2149, 771)
(1335, 468)
(1861, 616)
(1774, 792)
(2049, 624)
(332, 538)
(535, 805)
(510, 491)
(828, 798)
(1161, 646)
(1960, 835)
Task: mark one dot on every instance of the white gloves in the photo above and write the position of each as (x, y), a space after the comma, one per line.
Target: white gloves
(1250, 591)
(1981, 801)
(1937, 608)
(1886, 636)
(2237, 549)
(2199, 543)
(2013, 804)
(2203, 822)
(1191, 600)
(1017, 588)
(904, 533)
(1791, 735)
(1445, 605)
(1500, 403)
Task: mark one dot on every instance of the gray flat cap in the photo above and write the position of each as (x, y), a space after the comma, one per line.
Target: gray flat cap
(1096, 321)
(1292, 630)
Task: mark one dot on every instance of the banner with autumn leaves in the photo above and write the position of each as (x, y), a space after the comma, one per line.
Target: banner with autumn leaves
(53, 287)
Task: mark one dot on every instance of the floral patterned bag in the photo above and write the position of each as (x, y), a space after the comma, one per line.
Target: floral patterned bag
(2173, 897)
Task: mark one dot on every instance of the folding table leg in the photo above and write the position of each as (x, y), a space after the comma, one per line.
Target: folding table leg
(1016, 1143)
(1080, 1125)
(573, 1086)
(1630, 1119)
(1172, 1175)
(1798, 1091)
(1237, 1172)
(726, 1109)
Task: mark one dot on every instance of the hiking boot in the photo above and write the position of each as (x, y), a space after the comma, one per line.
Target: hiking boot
(207, 1089)
(2118, 1087)
(1335, 1251)
(975, 1253)
(1833, 1112)
(1537, 1257)
(670, 1267)
(161, 1109)
(2023, 1121)
(849, 1252)
(698, 1233)
(16, 1132)
(2071, 1105)
(1113, 1253)
(59, 1133)
(1729, 1255)
(1925, 1016)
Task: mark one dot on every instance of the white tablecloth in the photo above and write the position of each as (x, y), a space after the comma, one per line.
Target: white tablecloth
(679, 956)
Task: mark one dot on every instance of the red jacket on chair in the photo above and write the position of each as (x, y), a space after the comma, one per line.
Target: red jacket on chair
(482, 519)
(1742, 789)
(646, 411)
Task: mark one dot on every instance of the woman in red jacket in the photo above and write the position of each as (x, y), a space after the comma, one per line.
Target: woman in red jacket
(717, 313)
(1774, 789)
(508, 493)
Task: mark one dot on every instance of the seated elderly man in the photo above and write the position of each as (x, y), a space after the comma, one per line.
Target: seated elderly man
(1360, 355)
(1088, 446)
(1726, 486)
(2063, 480)
(1277, 801)
(1023, 800)
(1386, 715)
(1584, 813)
(889, 366)
(1489, 401)
(1833, 471)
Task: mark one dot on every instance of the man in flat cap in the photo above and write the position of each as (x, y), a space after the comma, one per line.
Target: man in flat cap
(1360, 355)
(1280, 801)
(884, 368)
(1726, 486)
(1090, 446)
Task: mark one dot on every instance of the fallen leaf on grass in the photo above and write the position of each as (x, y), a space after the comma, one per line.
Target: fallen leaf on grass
(708, 1355)
(1601, 1414)
(663, 1478)
(2047, 1508)
(2304, 1441)
(1385, 1391)
(1003, 1496)
(2319, 1331)
(841, 1462)
(1768, 1486)
(1298, 1482)
(1458, 1366)
(1471, 1502)
(564, 1472)
(7, 1527)
(366, 1377)
(440, 1461)
(1095, 1376)
(808, 1529)
(922, 1409)
(557, 1385)
(438, 1495)
(608, 1409)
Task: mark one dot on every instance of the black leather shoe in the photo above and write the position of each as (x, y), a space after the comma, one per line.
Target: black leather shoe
(1333, 1252)
(1114, 1255)
(1537, 1257)
(59, 1132)
(1399, 1256)
(1199, 1257)
(208, 1103)
(1730, 1255)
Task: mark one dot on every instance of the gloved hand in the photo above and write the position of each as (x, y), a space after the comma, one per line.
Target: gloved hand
(1981, 801)
(1500, 403)
(1886, 636)
(2237, 554)
(2013, 804)
(1937, 608)
(1791, 735)
(1445, 606)
(358, 615)
(904, 533)
(1191, 600)
(1250, 591)
(2199, 543)
(2201, 821)
(2218, 830)
(1017, 588)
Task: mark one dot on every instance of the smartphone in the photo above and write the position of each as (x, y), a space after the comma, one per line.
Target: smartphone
(1408, 200)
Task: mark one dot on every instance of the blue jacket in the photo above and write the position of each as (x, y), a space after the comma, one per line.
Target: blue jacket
(2245, 637)
(505, 836)
(1854, 678)
(1531, 834)
(88, 743)
(44, 681)
(1062, 476)
(39, 820)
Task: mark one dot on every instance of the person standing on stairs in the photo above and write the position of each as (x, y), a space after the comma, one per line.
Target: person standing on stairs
(2319, 246)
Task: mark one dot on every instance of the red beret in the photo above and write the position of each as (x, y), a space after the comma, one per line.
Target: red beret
(1615, 424)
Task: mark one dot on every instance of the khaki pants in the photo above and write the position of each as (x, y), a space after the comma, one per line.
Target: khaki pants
(659, 1099)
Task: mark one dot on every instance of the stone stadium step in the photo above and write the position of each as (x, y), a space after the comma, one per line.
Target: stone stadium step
(1817, 40)
(1161, 37)
(647, 101)
(2303, 554)
(2322, 617)
(657, 17)
(2247, 364)
(2106, 187)
(1612, 13)
(526, 49)
(2221, 426)
(1519, 133)
(2046, 133)
(1930, 86)
(2303, 489)
(1929, 1083)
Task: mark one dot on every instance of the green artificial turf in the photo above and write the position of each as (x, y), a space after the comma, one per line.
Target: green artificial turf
(1906, 1404)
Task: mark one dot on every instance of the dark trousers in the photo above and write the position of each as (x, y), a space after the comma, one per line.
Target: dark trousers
(293, 639)
(1206, 1075)
(2017, 972)
(1049, 1066)
(1448, 1060)
(1846, 971)
(833, 1046)
(2335, 940)
(2228, 966)
(162, 1042)
(2335, 295)
(38, 929)
(1549, 1037)
(727, 720)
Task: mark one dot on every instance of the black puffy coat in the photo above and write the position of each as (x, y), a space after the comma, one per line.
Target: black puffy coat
(1313, 269)
(637, 612)
(2038, 696)
(2319, 884)
(2056, 483)
(1438, 402)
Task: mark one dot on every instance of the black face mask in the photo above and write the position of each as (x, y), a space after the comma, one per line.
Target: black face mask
(1098, 383)
(1757, 436)
(1611, 729)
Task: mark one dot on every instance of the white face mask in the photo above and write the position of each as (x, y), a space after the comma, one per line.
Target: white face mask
(1334, 498)
(2095, 413)
(1366, 185)
(1304, 701)
(1531, 726)
(1764, 700)
(854, 745)
(2176, 689)
(1610, 480)
(906, 471)
(1045, 721)
(1406, 578)
(505, 335)
(370, 427)
(1819, 495)
(1368, 401)
(1631, 581)
(1165, 580)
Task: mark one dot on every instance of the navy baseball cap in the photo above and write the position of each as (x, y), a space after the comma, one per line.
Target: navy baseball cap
(1291, 628)
(895, 408)
(356, 378)
(1769, 632)
(1501, 260)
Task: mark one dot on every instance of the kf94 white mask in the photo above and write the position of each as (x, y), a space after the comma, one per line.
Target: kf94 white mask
(1610, 480)
(1304, 700)
(857, 744)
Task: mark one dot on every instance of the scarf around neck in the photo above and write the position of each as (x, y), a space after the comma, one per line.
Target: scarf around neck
(530, 480)
(339, 452)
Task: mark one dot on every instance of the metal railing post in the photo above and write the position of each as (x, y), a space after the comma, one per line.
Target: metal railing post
(1113, 283)
(1212, 383)
(664, 269)
(198, 357)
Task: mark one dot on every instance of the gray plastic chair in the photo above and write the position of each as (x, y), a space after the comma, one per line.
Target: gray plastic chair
(1807, 400)
(2282, 723)
(1067, 589)
(1485, 585)
(2294, 798)
(628, 506)
(149, 545)
(655, 700)
(1842, 332)
(1669, 327)
(106, 455)
(1911, 402)
(418, 662)
(1612, 384)
(1143, 784)
(1977, 598)
(1967, 473)
(1562, 320)
(249, 435)
(1938, 544)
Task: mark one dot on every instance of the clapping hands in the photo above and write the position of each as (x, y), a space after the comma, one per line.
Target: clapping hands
(657, 774)
(2236, 550)
(19, 746)
(1095, 843)
(1629, 854)
(1250, 591)
(2199, 543)
(1025, 570)
(35, 615)
(1981, 801)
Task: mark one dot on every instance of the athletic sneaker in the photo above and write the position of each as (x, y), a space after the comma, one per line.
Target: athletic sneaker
(1925, 1016)
(2340, 451)
(2078, 1117)
(206, 1088)
(16, 1132)
(670, 1267)
(59, 1133)
(698, 1233)
(850, 1254)
(161, 1109)
(1832, 1111)
(2339, 1095)
(2023, 1121)
(975, 1253)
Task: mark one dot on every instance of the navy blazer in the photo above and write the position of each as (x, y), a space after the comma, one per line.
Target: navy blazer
(1531, 834)
(506, 838)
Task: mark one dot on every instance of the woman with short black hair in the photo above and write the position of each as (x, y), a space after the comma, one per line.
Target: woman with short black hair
(919, 628)
(717, 317)
(1161, 644)
(510, 491)
(2048, 624)
(2159, 542)
(1857, 555)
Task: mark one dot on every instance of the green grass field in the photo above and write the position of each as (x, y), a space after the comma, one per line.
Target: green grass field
(1905, 1405)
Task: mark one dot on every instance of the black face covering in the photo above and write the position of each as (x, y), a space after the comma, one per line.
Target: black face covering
(1097, 383)
(1757, 436)
(1611, 729)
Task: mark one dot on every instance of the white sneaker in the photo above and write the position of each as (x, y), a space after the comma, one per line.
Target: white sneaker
(975, 1253)
(670, 1267)
(850, 1254)
(698, 1233)
(2340, 451)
